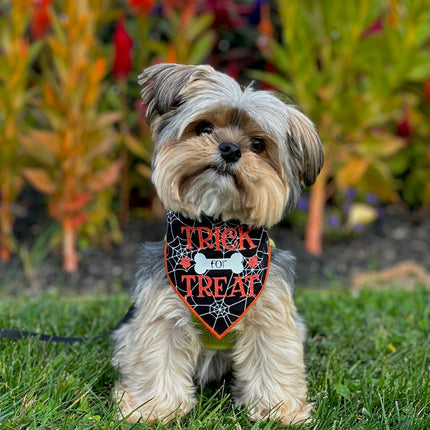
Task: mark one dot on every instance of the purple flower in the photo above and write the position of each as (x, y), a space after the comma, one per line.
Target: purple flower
(302, 204)
(359, 228)
(350, 193)
(254, 15)
(372, 199)
(346, 207)
(334, 221)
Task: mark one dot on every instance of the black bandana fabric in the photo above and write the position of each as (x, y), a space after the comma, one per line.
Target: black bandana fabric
(218, 268)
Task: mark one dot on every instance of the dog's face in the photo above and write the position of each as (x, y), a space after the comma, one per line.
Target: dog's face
(224, 151)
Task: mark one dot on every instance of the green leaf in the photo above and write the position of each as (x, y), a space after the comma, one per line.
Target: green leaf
(200, 49)
(33, 51)
(198, 25)
(343, 391)
(421, 69)
(422, 33)
(273, 79)
(382, 145)
(135, 146)
(144, 170)
(155, 46)
(279, 56)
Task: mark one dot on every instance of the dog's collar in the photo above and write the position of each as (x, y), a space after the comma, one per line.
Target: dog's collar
(218, 268)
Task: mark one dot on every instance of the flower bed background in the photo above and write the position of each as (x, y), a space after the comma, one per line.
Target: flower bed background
(72, 126)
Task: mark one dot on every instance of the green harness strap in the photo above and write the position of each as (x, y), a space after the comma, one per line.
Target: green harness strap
(209, 341)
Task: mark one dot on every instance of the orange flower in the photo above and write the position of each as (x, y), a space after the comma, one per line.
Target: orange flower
(23, 49)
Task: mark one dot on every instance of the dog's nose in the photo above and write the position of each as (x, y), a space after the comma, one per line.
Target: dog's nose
(229, 152)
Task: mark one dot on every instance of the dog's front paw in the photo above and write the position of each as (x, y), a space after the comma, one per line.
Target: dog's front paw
(151, 411)
(300, 415)
(298, 412)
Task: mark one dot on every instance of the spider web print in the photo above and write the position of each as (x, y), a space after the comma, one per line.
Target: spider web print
(218, 268)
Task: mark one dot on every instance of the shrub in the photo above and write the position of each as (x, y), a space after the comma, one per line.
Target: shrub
(347, 65)
(71, 121)
(73, 153)
(16, 57)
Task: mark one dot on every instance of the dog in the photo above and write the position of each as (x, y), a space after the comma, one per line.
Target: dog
(216, 296)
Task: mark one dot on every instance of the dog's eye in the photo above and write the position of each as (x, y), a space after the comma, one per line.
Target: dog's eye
(258, 145)
(204, 127)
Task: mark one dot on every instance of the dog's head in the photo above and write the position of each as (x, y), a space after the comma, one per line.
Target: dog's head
(225, 151)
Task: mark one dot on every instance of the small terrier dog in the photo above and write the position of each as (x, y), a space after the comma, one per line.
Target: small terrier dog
(215, 298)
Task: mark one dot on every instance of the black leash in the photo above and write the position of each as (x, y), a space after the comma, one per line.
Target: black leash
(6, 333)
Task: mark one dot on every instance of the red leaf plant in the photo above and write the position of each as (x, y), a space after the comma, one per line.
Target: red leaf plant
(141, 7)
(41, 21)
(339, 78)
(122, 63)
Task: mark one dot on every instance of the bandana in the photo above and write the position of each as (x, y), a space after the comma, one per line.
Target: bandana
(218, 268)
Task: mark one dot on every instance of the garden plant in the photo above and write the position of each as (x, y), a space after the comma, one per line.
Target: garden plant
(72, 123)
(352, 67)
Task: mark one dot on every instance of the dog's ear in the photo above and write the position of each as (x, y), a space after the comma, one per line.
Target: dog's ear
(162, 85)
(304, 142)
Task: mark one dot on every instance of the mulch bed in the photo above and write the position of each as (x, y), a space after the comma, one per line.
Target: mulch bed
(400, 235)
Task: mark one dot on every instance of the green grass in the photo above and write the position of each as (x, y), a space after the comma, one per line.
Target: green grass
(367, 359)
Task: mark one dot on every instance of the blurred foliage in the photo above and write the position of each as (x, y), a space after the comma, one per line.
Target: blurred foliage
(16, 57)
(73, 154)
(72, 125)
(188, 34)
(350, 65)
(411, 165)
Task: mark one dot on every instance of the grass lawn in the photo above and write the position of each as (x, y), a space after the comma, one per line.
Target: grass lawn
(367, 358)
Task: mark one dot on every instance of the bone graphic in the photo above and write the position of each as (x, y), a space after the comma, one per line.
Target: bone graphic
(234, 263)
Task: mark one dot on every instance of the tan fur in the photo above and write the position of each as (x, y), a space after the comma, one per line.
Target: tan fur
(267, 360)
(256, 194)
(153, 385)
(158, 352)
